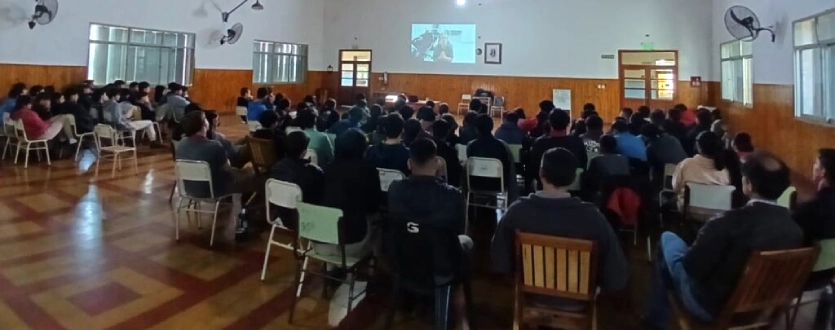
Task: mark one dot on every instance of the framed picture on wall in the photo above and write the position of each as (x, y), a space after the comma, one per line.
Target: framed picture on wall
(492, 53)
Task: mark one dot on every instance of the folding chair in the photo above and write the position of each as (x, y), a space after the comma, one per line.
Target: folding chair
(388, 176)
(286, 195)
(591, 155)
(498, 106)
(291, 129)
(464, 104)
(462, 152)
(174, 144)
(788, 199)
(311, 155)
(703, 201)
(240, 111)
(515, 152)
(80, 136)
(485, 101)
(115, 149)
(666, 188)
(323, 225)
(253, 125)
(27, 145)
(196, 171)
(576, 186)
(10, 133)
(485, 168)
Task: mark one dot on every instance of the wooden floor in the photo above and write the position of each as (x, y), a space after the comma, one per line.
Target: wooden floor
(80, 251)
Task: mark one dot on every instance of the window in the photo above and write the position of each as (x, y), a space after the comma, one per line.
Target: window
(133, 54)
(814, 67)
(737, 80)
(278, 63)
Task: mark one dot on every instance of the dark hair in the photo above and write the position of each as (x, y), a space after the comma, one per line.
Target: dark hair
(483, 109)
(716, 114)
(742, 142)
(579, 127)
(381, 101)
(443, 108)
(296, 144)
(546, 106)
(306, 118)
(144, 85)
(826, 157)
(192, 122)
(97, 94)
(70, 91)
(309, 99)
(16, 90)
(411, 129)
(674, 115)
(484, 125)
(359, 97)
(650, 132)
(608, 144)
(440, 129)
(475, 105)
(589, 106)
(711, 147)
(620, 126)
(330, 104)
(426, 114)
(175, 87)
(449, 118)
(268, 119)
(594, 123)
(431, 104)
(119, 82)
(211, 115)
(559, 167)
(769, 175)
(559, 120)
(111, 92)
(356, 114)
(680, 107)
(644, 111)
(283, 104)
(22, 101)
(657, 116)
(140, 94)
(469, 118)
(35, 90)
(244, 90)
(394, 126)
(125, 94)
(627, 112)
(262, 92)
(350, 145)
(159, 93)
(520, 113)
(704, 118)
(375, 111)
(511, 117)
(422, 151)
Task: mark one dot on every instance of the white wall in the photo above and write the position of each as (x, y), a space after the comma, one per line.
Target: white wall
(556, 38)
(64, 41)
(773, 62)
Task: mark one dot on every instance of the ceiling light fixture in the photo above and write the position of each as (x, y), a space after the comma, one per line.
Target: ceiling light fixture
(257, 5)
(460, 2)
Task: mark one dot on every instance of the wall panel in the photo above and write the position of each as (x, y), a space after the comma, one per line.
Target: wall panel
(58, 76)
(218, 89)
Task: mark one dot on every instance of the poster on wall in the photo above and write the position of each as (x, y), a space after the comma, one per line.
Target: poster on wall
(562, 98)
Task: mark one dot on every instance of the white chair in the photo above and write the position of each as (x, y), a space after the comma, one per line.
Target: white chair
(788, 198)
(27, 145)
(465, 103)
(498, 106)
(490, 168)
(591, 155)
(485, 101)
(286, 195)
(80, 136)
(196, 171)
(115, 148)
(462, 152)
(703, 201)
(312, 156)
(291, 129)
(253, 125)
(10, 134)
(577, 184)
(388, 176)
(240, 111)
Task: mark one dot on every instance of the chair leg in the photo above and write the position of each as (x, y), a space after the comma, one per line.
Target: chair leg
(26, 163)
(214, 223)
(468, 301)
(115, 161)
(135, 163)
(267, 253)
(395, 298)
(467, 214)
(78, 148)
(352, 281)
(299, 272)
(171, 197)
(177, 220)
(790, 320)
(301, 281)
(442, 297)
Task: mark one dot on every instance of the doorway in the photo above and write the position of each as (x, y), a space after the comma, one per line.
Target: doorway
(648, 78)
(354, 74)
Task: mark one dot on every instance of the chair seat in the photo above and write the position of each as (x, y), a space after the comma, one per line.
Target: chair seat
(209, 200)
(688, 322)
(117, 149)
(350, 261)
(702, 214)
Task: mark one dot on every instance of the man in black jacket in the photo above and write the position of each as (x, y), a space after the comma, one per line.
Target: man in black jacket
(558, 138)
(704, 275)
(84, 122)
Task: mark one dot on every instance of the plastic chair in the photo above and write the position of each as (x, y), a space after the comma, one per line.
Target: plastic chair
(291, 129)
(115, 149)
(464, 104)
(515, 152)
(240, 111)
(462, 152)
(10, 133)
(174, 145)
(703, 201)
(27, 145)
(788, 199)
(80, 136)
(557, 267)
(498, 106)
(253, 125)
(323, 225)
(196, 171)
(311, 155)
(577, 184)
(286, 195)
(485, 168)
(388, 176)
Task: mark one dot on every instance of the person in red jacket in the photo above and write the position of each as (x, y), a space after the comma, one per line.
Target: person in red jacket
(688, 117)
(35, 127)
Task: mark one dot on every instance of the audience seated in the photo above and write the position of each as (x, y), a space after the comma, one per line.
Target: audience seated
(658, 118)
(143, 101)
(636, 122)
(578, 128)
(717, 126)
(557, 138)
(84, 122)
(404, 109)
(119, 118)
(707, 167)
(8, 104)
(413, 130)
(742, 145)
(440, 131)
(328, 116)
(703, 122)
(258, 106)
(487, 146)
(237, 153)
(608, 164)
(628, 145)
(270, 131)
(626, 114)
(354, 120)
(542, 125)
(443, 109)
(352, 185)
(688, 117)
(509, 130)
(296, 169)
(319, 142)
(815, 216)
(243, 100)
(426, 118)
(392, 153)
(468, 131)
(42, 105)
(675, 127)
(176, 100)
(375, 113)
(704, 275)
(35, 127)
(594, 131)
(552, 211)
(452, 139)
(662, 149)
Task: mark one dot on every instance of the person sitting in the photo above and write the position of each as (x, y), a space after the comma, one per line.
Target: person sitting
(8, 104)
(413, 130)
(243, 100)
(237, 154)
(404, 109)
(688, 117)
(707, 167)
(426, 118)
(626, 113)
(509, 130)
(119, 118)
(352, 185)
(578, 128)
(319, 142)
(558, 138)
(487, 146)
(354, 120)
(84, 122)
(468, 130)
(475, 105)
(443, 109)
(374, 115)
(536, 214)
(704, 275)
(296, 169)
(328, 116)
(392, 153)
(594, 131)
(440, 132)
(452, 139)
(35, 127)
(658, 118)
(608, 164)
(176, 101)
(704, 120)
(42, 105)
(269, 131)
(258, 106)
(146, 109)
(628, 145)
(408, 200)
(538, 126)
(636, 122)
(718, 126)
(662, 149)
(815, 216)
(742, 145)
(675, 127)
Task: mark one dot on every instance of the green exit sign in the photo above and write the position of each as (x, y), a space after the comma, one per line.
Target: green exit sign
(607, 56)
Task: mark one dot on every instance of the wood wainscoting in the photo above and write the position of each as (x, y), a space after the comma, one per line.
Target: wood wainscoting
(773, 126)
(45, 75)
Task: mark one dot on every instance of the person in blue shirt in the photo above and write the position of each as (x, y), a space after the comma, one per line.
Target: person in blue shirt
(7, 105)
(628, 145)
(258, 106)
(509, 131)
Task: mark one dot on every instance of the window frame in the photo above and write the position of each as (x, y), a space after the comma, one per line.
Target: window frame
(272, 56)
(747, 89)
(824, 115)
(192, 46)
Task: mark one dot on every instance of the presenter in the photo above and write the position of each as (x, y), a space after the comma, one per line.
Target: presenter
(443, 49)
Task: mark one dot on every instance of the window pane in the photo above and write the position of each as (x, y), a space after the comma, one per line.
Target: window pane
(747, 81)
(347, 82)
(804, 32)
(108, 33)
(725, 50)
(634, 83)
(635, 93)
(263, 47)
(746, 48)
(826, 28)
(734, 50)
(809, 83)
(829, 81)
(727, 80)
(260, 68)
(106, 63)
(739, 82)
(362, 56)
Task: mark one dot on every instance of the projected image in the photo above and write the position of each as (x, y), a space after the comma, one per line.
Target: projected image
(444, 43)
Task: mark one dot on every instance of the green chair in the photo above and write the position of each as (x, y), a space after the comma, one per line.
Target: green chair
(515, 151)
(826, 260)
(323, 225)
(788, 199)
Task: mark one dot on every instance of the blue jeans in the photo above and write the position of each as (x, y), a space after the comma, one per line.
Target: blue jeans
(670, 275)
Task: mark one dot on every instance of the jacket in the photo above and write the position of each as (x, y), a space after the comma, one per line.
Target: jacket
(354, 187)
(308, 177)
(33, 125)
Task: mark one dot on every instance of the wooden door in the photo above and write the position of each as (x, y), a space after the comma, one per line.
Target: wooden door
(648, 78)
(354, 75)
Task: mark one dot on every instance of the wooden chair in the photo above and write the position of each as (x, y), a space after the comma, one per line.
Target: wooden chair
(555, 267)
(770, 281)
(263, 154)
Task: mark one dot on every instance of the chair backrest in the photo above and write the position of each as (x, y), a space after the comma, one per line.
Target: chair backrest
(705, 196)
(195, 171)
(788, 198)
(485, 168)
(263, 153)
(669, 171)
(319, 223)
(387, 176)
(462, 152)
(577, 184)
(282, 193)
(71, 122)
(556, 266)
(770, 281)
(591, 155)
(291, 129)
(106, 132)
(240, 111)
(515, 151)
(20, 131)
(442, 170)
(312, 156)
(423, 256)
(826, 258)
(466, 97)
(498, 101)
(9, 125)
(484, 100)
(253, 125)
